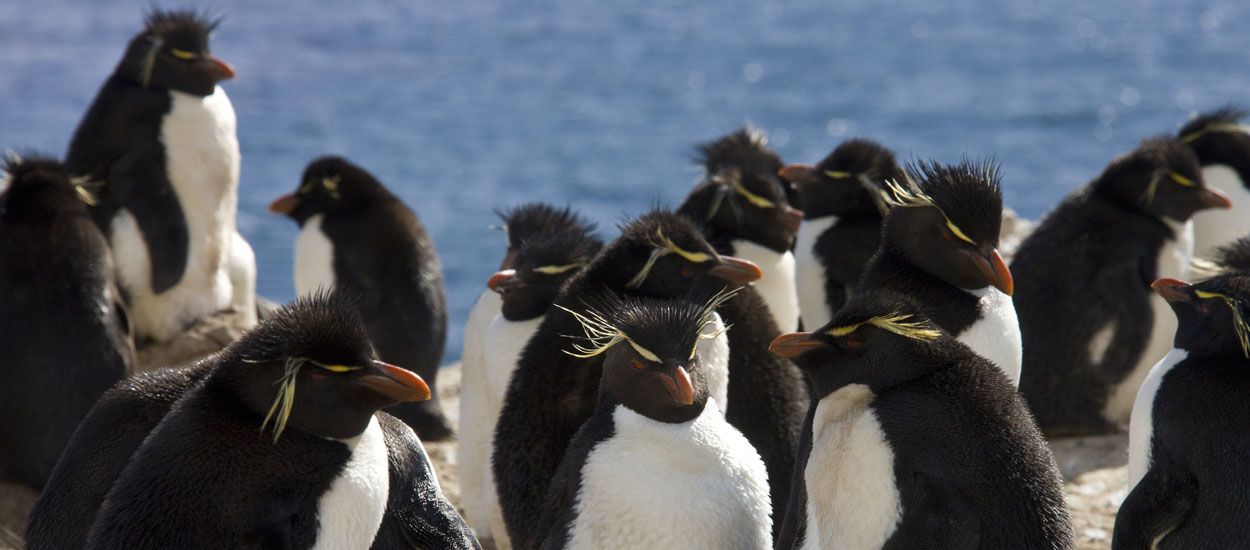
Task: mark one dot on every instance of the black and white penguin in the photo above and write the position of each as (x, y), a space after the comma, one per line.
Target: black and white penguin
(660, 254)
(915, 441)
(1189, 454)
(282, 444)
(939, 245)
(1222, 143)
(64, 338)
(843, 207)
(742, 206)
(1092, 329)
(160, 135)
(354, 234)
(541, 265)
(656, 465)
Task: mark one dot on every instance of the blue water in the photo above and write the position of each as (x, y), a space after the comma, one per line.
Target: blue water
(462, 107)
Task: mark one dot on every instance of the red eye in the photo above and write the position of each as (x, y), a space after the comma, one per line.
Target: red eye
(946, 234)
(638, 365)
(687, 271)
(852, 343)
(317, 375)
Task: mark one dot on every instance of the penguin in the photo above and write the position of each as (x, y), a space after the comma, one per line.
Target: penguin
(282, 444)
(1187, 439)
(656, 465)
(65, 337)
(542, 264)
(660, 254)
(160, 135)
(939, 245)
(356, 235)
(743, 208)
(915, 441)
(1090, 325)
(1222, 143)
(843, 207)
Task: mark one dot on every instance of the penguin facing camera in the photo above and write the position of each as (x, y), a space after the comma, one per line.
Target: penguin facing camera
(1221, 142)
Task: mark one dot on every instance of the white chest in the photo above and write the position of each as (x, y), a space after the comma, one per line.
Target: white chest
(777, 286)
(852, 498)
(656, 485)
(1217, 227)
(996, 335)
(502, 347)
(714, 359)
(809, 274)
(314, 258)
(351, 511)
(202, 161)
(1141, 425)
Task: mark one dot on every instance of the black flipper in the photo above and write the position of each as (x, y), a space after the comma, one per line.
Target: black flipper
(1161, 501)
(936, 516)
(138, 183)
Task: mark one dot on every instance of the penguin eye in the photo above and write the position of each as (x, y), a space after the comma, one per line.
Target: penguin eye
(687, 272)
(638, 364)
(946, 234)
(183, 54)
(852, 344)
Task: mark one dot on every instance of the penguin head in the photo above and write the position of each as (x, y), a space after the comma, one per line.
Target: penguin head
(945, 219)
(850, 180)
(171, 53)
(745, 149)
(39, 187)
(540, 267)
(1234, 256)
(310, 366)
(523, 221)
(1161, 178)
(648, 347)
(663, 254)
(1211, 314)
(738, 204)
(330, 184)
(1219, 138)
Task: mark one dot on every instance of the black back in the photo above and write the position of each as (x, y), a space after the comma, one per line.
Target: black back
(65, 338)
(561, 500)
(1218, 138)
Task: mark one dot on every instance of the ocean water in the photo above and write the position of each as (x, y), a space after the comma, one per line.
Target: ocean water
(464, 107)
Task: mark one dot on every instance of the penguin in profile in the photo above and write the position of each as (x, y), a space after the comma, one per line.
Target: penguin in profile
(843, 206)
(939, 245)
(354, 234)
(160, 135)
(1092, 328)
(660, 255)
(1222, 143)
(1189, 454)
(915, 441)
(656, 465)
(282, 444)
(65, 339)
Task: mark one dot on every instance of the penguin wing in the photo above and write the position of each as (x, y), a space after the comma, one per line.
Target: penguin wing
(937, 516)
(557, 518)
(1161, 500)
(138, 183)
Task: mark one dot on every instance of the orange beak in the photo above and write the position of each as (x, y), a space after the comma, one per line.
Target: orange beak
(396, 383)
(792, 219)
(501, 279)
(678, 386)
(995, 271)
(1172, 290)
(794, 344)
(797, 172)
(224, 70)
(284, 205)
(737, 271)
(1213, 198)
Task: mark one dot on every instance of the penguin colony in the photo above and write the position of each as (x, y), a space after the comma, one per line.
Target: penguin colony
(654, 391)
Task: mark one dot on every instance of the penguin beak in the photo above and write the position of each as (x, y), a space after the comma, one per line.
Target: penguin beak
(995, 271)
(284, 205)
(792, 345)
(502, 281)
(792, 218)
(797, 172)
(396, 383)
(1213, 198)
(736, 270)
(221, 69)
(678, 386)
(1172, 290)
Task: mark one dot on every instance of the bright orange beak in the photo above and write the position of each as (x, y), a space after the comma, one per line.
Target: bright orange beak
(396, 383)
(794, 344)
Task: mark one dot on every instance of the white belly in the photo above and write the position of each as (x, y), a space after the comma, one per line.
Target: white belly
(714, 357)
(996, 335)
(351, 511)
(1141, 425)
(243, 280)
(1216, 227)
(809, 274)
(202, 163)
(852, 498)
(776, 287)
(656, 485)
(1174, 261)
(314, 258)
(502, 347)
(476, 421)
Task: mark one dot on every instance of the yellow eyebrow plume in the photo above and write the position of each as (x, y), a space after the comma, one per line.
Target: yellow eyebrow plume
(898, 323)
(958, 233)
(183, 54)
(1239, 322)
(556, 269)
(837, 174)
(1181, 179)
(752, 197)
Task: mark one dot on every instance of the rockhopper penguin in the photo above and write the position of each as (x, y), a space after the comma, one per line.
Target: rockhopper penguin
(1222, 143)
(915, 441)
(656, 465)
(1092, 328)
(160, 136)
(354, 234)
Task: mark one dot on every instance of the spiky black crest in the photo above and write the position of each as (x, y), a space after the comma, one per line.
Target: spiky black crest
(21, 167)
(669, 328)
(187, 23)
(525, 220)
(672, 224)
(1235, 256)
(1224, 116)
(746, 149)
(969, 193)
(324, 325)
(861, 156)
(559, 249)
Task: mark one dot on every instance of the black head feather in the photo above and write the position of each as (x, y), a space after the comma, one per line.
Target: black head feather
(324, 325)
(1235, 256)
(38, 185)
(525, 220)
(562, 248)
(1224, 116)
(968, 193)
(1142, 180)
(745, 149)
(667, 327)
(850, 181)
(22, 167)
(861, 156)
(188, 25)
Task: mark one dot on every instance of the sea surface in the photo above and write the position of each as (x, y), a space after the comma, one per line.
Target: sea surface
(464, 107)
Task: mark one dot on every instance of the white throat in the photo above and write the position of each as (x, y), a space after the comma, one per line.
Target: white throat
(1141, 426)
(314, 258)
(777, 286)
(351, 511)
(809, 273)
(996, 334)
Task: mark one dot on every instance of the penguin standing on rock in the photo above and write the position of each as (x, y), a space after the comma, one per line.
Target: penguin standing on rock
(160, 135)
(356, 235)
(1189, 452)
(843, 205)
(939, 246)
(64, 337)
(915, 441)
(660, 255)
(1091, 327)
(656, 465)
(282, 445)
(1222, 143)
